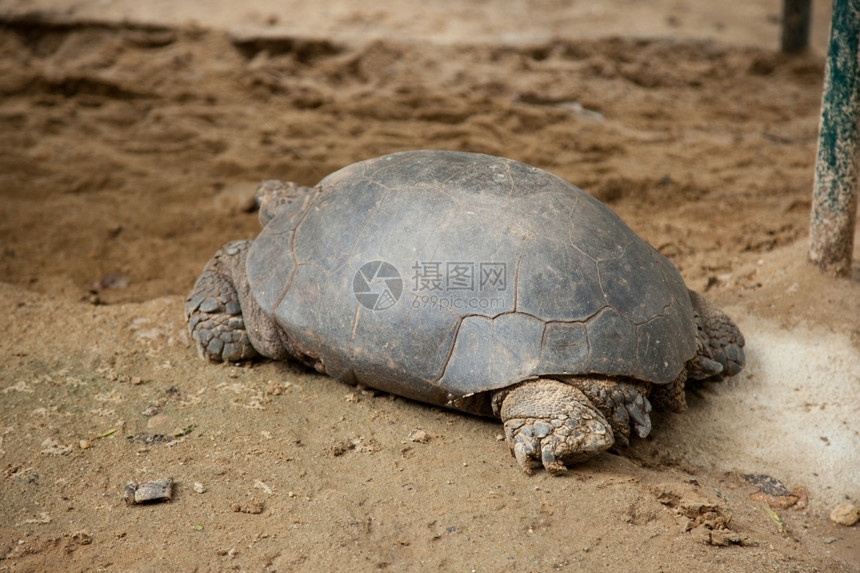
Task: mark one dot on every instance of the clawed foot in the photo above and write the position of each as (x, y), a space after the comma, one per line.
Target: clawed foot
(721, 344)
(214, 315)
(624, 404)
(550, 423)
(220, 337)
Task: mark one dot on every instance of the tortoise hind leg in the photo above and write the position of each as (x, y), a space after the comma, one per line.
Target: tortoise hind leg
(551, 423)
(720, 343)
(213, 310)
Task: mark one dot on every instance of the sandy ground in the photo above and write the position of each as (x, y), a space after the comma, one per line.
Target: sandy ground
(132, 136)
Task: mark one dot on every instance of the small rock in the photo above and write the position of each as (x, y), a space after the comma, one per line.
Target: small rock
(845, 514)
(199, 487)
(85, 444)
(153, 491)
(774, 493)
(767, 484)
(419, 436)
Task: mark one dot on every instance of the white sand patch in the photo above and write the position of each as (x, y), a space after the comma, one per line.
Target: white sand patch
(793, 413)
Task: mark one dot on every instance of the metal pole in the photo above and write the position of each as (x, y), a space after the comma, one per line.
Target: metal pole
(795, 25)
(834, 197)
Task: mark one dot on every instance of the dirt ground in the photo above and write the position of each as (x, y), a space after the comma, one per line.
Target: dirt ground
(132, 136)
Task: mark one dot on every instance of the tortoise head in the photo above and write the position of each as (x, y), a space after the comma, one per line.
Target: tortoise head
(274, 196)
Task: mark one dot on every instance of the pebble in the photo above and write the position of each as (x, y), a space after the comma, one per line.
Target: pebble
(419, 436)
(845, 514)
(153, 491)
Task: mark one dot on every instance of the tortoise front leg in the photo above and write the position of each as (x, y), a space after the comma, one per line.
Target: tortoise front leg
(551, 423)
(623, 403)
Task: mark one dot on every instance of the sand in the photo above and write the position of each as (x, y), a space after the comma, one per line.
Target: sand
(132, 136)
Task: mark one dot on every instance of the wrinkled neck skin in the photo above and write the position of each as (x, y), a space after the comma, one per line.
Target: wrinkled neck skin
(274, 197)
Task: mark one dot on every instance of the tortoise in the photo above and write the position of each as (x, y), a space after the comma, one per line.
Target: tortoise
(473, 282)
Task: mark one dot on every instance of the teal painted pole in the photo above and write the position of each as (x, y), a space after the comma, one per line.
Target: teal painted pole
(834, 197)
